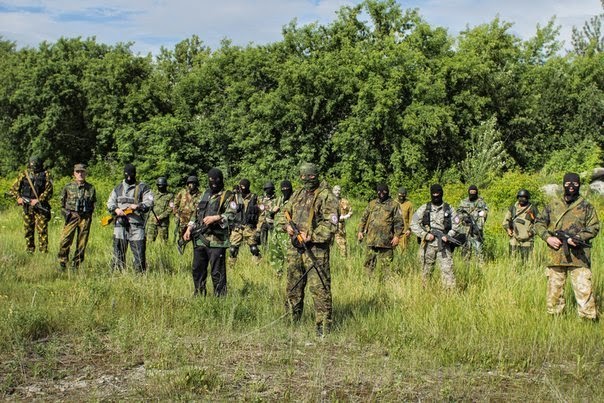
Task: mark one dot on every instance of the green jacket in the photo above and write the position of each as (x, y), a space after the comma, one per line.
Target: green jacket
(381, 221)
(78, 198)
(162, 207)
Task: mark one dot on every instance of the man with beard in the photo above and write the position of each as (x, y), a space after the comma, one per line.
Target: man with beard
(128, 204)
(159, 220)
(519, 224)
(473, 213)
(33, 189)
(436, 225)
(406, 212)
(185, 203)
(314, 213)
(381, 228)
(568, 225)
(209, 231)
(246, 220)
(345, 213)
(280, 242)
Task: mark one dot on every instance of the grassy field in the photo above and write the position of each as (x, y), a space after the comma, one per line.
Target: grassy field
(102, 335)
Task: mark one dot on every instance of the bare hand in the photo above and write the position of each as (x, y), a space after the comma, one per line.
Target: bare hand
(305, 236)
(33, 202)
(394, 241)
(360, 236)
(133, 207)
(510, 233)
(290, 230)
(407, 233)
(554, 242)
(211, 219)
(571, 242)
(187, 235)
(445, 239)
(429, 237)
(119, 212)
(20, 201)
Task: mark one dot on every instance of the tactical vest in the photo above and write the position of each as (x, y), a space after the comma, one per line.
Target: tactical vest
(123, 198)
(206, 209)
(83, 203)
(532, 210)
(447, 219)
(39, 182)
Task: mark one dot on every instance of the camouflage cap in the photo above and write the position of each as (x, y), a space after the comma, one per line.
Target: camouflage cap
(309, 168)
(79, 167)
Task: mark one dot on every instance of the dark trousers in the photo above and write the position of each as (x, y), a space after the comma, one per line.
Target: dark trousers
(120, 246)
(203, 257)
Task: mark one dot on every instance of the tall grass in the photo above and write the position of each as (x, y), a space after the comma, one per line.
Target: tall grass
(101, 334)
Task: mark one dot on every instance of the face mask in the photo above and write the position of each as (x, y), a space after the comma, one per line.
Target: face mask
(130, 180)
(287, 193)
(402, 198)
(473, 196)
(571, 184)
(162, 189)
(523, 201)
(310, 182)
(192, 187)
(215, 180)
(436, 199)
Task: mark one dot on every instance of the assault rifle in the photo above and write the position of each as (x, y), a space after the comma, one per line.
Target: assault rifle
(438, 235)
(302, 247)
(38, 207)
(469, 220)
(108, 219)
(565, 236)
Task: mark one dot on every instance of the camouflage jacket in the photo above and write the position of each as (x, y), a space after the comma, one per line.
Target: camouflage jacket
(381, 221)
(163, 204)
(521, 220)
(247, 210)
(315, 213)
(268, 209)
(407, 213)
(216, 235)
(580, 219)
(123, 195)
(79, 198)
(185, 204)
(477, 209)
(42, 182)
(280, 221)
(438, 215)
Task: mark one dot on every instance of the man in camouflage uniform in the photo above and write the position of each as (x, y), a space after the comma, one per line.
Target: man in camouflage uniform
(280, 241)
(78, 200)
(569, 252)
(209, 231)
(159, 220)
(33, 189)
(128, 203)
(185, 203)
(268, 209)
(519, 224)
(314, 210)
(381, 227)
(406, 212)
(473, 213)
(345, 213)
(245, 222)
(436, 224)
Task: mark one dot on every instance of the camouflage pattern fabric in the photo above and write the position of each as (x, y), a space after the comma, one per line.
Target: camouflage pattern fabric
(316, 214)
(280, 241)
(479, 211)
(340, 237)
(407, 213)
(521, 219)
(185, 204)
(217, 235)
(163, 204)
(34, 221)
(266, 221)
(378, 261)
(78, 203)
(580, 219)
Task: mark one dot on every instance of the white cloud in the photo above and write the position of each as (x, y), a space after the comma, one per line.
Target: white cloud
(152, 23)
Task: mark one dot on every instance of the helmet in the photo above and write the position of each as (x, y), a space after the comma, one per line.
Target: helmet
(523, 193)
(162, 181)
(268, 185)
(192, 179)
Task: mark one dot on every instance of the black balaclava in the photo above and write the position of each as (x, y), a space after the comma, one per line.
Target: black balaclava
(192, 184)
(244, 186)
(215, 180)
(571, 192)
(309, 174)
(269, 189)
(35, 164)
(402, 195)
(473, 196)
(286, 189)
(130, 174)
(162, 184)
(382, 192)
(523, 197)
(437, 190)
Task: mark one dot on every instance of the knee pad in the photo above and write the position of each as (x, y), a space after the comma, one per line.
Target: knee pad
(234, 251)
(255, 250)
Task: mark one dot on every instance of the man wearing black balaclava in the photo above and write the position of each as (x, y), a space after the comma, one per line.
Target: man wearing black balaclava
(268, 209)
(159, 219)
(185, 203)
(243, 228)
(436, 226)
(128, 203)
(33, 189)
(209, 231)
(567, 225)
(473, 212)
(519, 224)
(381, 228)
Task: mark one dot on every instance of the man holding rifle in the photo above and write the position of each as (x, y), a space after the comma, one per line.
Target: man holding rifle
(33, 189)
(436, 225)
(312, 220)
(567, 225)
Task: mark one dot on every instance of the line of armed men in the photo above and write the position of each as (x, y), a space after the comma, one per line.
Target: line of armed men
(298, 228)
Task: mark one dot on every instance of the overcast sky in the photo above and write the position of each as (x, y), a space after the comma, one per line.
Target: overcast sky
(153, 23)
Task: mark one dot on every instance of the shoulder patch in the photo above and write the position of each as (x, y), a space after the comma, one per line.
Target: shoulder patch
(334, 218)
(233, 204)
(261, 207)
(456, 220)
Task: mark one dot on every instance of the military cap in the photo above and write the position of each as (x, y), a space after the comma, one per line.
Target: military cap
(79, 167)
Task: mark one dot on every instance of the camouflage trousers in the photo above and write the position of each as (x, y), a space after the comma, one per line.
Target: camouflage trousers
(238, 236)
(74, 225)
(35, 221)
(580, 278)
(429, 254)
(297, 265)
(153, 230)
(340, 240)
(379, 260)
(524, 252)
(472, 246)
(277, 253)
